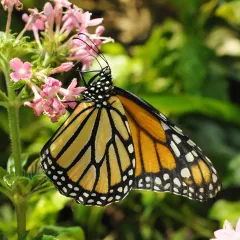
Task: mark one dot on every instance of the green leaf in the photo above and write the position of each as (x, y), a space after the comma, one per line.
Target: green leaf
(19, 84)
(26, 93)
(48, 237)
(230, 12)
(11, 165)
(3, 172)
(9, 179)
(46, 207)
(225, 210)
(234, 169)
(113, 49)
(24, 236)
(62, 233)
(185, 104)
(2, 237)
(17, 184)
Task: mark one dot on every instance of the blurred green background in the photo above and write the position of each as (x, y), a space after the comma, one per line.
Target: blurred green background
(184, 58)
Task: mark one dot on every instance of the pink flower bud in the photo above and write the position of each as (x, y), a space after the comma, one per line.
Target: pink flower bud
(99, 30)
(48, 9)
(63, 3)
(64, 67)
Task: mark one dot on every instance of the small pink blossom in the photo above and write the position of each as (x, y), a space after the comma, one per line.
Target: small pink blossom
(52, 107)
(9, 4)
(21, 70)
(47, 104)
(228, 233)
(85, 19)
(39, 105)
(51, 87)
(71, 19)
(37, 22)
(63, 3)
(48, 9)
(52, 100)
(64, 67)
(71, 93)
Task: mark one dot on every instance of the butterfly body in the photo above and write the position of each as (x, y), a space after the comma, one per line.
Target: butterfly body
(114, 142)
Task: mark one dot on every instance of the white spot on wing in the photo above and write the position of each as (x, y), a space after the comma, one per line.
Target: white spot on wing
(185, 173)
(175, 149)
(130, 172)
(177, 182)
(165, 176)
(158, 180)
(176, 139)
(167, 186)
(130, 148)
(189, 157)
(165, 126)
(191, 143)
(214, 177)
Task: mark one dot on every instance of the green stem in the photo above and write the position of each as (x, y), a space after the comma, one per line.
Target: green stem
(21, 211)
(13, 119)
(3, 96)
(9, 19)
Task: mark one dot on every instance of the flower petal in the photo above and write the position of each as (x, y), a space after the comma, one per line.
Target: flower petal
(238, 226)
(15, 64)
(227, 225)
(223, 234)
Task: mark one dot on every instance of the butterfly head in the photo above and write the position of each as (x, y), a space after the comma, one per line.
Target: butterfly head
(100, 86)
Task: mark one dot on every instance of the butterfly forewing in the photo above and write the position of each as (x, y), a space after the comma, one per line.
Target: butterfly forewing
(91, 156)
(166, 159)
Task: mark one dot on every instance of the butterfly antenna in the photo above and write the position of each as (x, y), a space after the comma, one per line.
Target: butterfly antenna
(80, 72)
(98, 52)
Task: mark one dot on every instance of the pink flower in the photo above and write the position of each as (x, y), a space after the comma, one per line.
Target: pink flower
(52, 107)
(39, 105)
(71, 19)
(85, 19)
(58, 110)
(228, 233)
(84, 50)
(63, 3)
(71, 93)
(64, 67)
(38, 20)
(9, 4)
(21, 70)
(49, 105)
(51, 87)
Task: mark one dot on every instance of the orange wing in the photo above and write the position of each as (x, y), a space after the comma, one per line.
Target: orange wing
(91, 156)
(166, 159)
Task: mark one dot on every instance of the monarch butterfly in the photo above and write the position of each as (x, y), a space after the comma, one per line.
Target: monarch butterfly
(114, 142)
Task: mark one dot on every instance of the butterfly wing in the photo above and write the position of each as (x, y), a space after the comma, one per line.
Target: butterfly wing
(91, 156)
(166, 159)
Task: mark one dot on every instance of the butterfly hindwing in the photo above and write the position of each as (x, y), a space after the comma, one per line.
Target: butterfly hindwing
(91, 156)
(166, 159)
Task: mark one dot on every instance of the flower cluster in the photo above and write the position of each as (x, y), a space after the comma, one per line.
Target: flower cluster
(9, 4)
(56, 30)
(228, 233)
